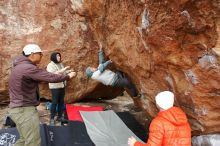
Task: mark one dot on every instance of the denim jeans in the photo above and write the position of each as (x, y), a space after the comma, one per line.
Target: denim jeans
(57, 100)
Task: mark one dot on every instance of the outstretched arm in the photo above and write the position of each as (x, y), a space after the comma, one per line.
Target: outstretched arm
(62, 70)
(101, 56)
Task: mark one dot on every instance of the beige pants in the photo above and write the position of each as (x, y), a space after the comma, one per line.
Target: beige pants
(27, 124)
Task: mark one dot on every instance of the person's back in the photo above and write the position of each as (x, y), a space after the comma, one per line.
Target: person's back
(106, 77)
(169, 128)
(172, 124)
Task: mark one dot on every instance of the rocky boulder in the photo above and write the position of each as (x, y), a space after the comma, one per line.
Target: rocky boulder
(160, 45)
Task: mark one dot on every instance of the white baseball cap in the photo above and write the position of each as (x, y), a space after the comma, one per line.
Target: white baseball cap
(31, 48)
(165, 99)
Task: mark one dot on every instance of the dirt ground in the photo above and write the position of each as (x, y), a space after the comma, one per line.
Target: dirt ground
(119, 104)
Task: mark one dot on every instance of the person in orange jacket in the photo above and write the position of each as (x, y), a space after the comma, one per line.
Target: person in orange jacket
(169, 128)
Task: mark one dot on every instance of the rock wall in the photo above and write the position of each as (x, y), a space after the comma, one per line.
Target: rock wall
(160, 45)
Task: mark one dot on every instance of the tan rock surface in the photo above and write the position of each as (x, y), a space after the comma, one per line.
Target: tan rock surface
(161, 45)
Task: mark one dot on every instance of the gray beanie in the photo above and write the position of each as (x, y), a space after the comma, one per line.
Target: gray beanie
(89, 72)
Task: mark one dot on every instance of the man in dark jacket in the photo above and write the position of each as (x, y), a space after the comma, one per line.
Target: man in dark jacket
(24, 93)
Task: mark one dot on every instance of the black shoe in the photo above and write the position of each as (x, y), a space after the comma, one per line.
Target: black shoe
(59, 119)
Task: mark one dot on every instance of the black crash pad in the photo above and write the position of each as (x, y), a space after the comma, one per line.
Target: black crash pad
(74, 134)
(9, 136)
(133, 125)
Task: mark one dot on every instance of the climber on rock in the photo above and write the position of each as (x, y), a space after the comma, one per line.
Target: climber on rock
(110, 78)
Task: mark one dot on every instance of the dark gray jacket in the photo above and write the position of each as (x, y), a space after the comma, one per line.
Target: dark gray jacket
(23, 82)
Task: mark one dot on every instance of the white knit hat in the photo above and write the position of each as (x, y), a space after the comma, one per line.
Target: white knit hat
(31, 48)
(165, 99)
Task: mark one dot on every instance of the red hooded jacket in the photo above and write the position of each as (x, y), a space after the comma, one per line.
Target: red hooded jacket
(169, 128)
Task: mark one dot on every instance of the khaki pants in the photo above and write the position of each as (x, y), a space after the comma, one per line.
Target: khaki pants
(27, 124)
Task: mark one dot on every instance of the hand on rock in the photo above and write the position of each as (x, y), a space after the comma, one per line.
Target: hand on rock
(100, 46)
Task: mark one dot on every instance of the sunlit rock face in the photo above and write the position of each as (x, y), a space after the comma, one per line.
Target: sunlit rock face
(160, 45)
(55, 26)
